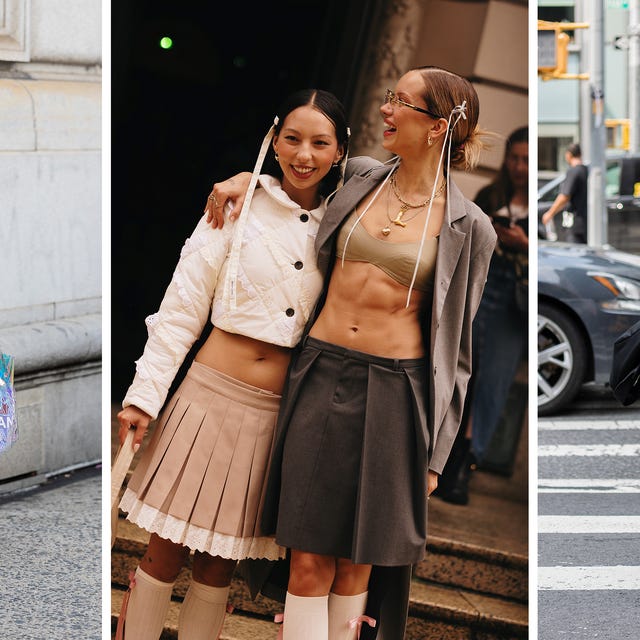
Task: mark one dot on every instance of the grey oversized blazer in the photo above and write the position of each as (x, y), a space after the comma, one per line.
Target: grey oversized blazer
(465, 247)
(464, 252)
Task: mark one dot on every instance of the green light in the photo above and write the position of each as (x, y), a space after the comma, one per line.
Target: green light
(166, 42)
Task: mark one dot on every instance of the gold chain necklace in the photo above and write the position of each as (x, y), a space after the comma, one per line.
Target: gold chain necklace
(398, 221)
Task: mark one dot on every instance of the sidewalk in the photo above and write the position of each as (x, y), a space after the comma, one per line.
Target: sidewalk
(50, 559)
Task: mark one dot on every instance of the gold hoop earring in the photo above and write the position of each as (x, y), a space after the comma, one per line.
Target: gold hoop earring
(429, 140)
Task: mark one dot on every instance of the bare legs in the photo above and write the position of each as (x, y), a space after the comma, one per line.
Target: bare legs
(324, 595)
(204, 606)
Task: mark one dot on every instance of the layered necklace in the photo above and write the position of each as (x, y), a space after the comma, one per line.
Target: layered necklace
(405, 206)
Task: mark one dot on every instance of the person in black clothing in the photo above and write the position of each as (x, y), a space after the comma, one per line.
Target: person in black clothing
(572, 198)
(500, 326)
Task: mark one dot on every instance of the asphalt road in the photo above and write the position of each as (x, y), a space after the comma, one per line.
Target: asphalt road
(589, 520)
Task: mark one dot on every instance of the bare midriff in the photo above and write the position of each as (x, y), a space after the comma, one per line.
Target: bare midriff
(254, 362)
(366, 310)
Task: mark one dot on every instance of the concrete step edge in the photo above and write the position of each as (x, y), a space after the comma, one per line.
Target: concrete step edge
(478, 611)
(448, 546)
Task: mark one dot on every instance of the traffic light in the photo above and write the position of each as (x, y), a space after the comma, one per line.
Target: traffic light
(553, 50)
(618, 133)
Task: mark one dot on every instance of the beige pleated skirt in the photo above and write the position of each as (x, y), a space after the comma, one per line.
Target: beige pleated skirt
(201, 480)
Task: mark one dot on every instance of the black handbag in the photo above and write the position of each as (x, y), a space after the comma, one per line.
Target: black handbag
(625, 367)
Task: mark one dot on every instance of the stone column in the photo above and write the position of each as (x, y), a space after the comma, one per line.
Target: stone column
(390, 56)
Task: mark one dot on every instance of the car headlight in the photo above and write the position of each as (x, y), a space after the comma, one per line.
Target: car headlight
(626, 292)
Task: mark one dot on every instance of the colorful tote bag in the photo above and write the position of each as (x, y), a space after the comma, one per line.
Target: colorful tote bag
(8, 421)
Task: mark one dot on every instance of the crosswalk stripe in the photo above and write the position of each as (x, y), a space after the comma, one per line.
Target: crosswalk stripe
(588, 485)
(547, 450)
(588, 578)
(590, 425)
(588, 524)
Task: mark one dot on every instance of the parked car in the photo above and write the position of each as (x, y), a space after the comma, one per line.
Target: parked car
(622, 194)
(587, 297)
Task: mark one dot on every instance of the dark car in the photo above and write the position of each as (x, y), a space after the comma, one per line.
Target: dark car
(587, 297)
(622, 195)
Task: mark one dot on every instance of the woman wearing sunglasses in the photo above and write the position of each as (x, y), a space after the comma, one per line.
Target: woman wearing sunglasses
(375, 393)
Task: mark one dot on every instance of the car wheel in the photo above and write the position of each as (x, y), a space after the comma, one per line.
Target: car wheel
(562, 359)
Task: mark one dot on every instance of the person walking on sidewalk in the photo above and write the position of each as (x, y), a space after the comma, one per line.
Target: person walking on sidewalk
(572, 199)
(375, 394)
(200, 482)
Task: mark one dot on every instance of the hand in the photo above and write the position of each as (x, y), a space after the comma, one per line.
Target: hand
(547, 217)
(432, 482)
(133, 417)
(234, 190)
(513, 237)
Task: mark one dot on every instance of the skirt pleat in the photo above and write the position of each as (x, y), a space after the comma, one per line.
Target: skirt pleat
(200, 482)
(354, 451)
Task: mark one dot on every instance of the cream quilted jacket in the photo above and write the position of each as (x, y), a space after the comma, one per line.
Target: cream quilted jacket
(267, 292)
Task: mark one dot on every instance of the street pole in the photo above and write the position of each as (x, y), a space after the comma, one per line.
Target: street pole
(634, 76)
(583, 38)
(597, 218)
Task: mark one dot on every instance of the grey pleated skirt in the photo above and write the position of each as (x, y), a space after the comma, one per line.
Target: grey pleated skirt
(201, 479)
(354, 446)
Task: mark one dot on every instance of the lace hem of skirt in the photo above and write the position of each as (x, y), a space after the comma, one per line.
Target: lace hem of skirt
(198, 538)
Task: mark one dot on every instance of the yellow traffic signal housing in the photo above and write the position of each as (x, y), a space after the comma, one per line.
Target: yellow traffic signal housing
(562, 52)
(618, 133)
(553, 50)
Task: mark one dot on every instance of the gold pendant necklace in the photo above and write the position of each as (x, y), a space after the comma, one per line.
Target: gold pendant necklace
(398, 221)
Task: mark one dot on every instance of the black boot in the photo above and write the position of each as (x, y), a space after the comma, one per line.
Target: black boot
(453, 485)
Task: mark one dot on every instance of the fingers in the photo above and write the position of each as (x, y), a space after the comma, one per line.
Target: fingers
(432, 482)
(132, 418)
(237, 208)
(137, 438)
(215, 207)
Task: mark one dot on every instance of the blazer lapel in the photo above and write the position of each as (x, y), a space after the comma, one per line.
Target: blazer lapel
(342, 205)
(450, 246)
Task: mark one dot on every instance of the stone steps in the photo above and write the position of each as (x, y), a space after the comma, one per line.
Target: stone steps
(437, 610)
(472, 584)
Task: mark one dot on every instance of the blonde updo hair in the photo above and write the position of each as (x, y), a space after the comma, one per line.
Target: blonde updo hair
(444, 91)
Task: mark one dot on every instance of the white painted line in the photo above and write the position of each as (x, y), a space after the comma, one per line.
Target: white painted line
(588, 578)
(582, 425)
(546, 450)
(588, 485)
(589, 524)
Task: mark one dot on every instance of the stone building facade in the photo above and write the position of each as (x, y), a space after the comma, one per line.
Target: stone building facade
(50, 225)
(485, 41)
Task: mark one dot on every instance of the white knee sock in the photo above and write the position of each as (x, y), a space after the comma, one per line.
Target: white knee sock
(147, 608)
(343, 609)
(305, 618)
(202, 612)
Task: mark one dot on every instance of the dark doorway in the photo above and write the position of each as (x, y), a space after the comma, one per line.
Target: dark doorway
(186, 116)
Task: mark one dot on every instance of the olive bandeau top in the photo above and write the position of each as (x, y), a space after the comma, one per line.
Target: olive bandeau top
(396, 259)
